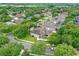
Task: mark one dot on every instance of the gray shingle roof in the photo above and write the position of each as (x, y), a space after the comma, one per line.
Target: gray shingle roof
(50, 26)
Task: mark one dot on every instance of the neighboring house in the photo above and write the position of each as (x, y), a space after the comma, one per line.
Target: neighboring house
(38, 32)
(77, 20)
(51, 26)
(37, 15)
(12, 12)
(47, 17)
(43, 30)
(18, 18)
(29, 17)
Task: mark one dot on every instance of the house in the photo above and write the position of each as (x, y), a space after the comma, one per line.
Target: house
(18, 18)
(12, 12)
(46, 17)
(49, 27)
(29, 17)
(77, 20)
(38, 32)
(37, 15)
(43, 30)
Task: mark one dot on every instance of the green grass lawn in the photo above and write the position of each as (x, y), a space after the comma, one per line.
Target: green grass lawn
(30, 38)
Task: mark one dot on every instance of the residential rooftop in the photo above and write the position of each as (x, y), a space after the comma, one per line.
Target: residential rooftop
(50, 26)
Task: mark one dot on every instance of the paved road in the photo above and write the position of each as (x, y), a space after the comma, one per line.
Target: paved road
(13, 40)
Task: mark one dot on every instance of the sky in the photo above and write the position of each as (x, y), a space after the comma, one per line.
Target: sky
(39, 1)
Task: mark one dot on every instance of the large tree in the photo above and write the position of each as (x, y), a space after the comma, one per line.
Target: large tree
(11, 50)
(5, 18)
(21, 31)
(65, 50)
(65, 38)
(69, 34)
(38, 48)
(54, 39)
(3, 39)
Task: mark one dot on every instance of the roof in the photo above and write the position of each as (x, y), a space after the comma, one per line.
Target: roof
(77, 20)
(42, 31)
(49, 27)
(19, 15)
(12, 12)
(17, 20)
(39, 31)
(77, 17)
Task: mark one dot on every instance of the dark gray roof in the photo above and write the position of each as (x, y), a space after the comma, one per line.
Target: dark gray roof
(77, 20)
(77, 17)
(38, 31)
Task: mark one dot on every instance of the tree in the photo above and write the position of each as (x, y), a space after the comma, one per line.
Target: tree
(69, 19)
(21, 31)
(75, 43)
(55, 14)
(5, 18)
(11, 50)
(73, 11)
(2, 25)
(54, 39)
(69, 34)
(38, 48)
(7, 29)
(65, 50)
(3, 39)
(68, 39)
